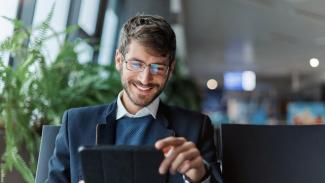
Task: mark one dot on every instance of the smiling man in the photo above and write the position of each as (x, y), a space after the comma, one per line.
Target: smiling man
(145, 59)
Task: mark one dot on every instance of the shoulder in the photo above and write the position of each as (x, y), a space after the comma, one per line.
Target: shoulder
(96, 109)
(184, 116)
(182, 112)
(87, 115)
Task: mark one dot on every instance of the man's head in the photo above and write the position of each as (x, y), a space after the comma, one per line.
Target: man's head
(151, 31)
(145, 58)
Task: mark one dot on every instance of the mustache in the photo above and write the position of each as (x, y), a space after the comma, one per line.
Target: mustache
(151, 85)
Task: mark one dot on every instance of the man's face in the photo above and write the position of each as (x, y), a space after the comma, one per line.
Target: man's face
(141, 87)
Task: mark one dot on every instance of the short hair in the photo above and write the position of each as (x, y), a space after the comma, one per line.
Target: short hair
(152, 31)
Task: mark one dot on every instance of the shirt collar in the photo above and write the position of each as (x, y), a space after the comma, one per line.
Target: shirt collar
(150, 109)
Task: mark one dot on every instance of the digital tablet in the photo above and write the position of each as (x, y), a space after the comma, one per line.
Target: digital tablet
(121, 164)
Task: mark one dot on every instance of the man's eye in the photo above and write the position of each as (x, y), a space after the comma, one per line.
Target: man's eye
(136, 65)
(157, 69)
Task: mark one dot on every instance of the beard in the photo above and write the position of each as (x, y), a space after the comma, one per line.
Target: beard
(138, 98)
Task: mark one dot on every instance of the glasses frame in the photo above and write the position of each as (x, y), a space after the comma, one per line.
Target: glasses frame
(141, 69)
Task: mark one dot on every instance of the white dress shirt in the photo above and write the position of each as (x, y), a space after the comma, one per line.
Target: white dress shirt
(151, 109)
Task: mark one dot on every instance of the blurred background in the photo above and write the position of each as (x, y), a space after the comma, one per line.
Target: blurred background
(239, 61)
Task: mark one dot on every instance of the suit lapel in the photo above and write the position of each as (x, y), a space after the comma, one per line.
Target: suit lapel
(162, 117)
(105, 131)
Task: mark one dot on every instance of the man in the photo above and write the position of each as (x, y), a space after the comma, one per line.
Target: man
(145, 59)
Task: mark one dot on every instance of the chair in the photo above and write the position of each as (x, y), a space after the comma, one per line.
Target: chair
(49, 133)
(269, 154)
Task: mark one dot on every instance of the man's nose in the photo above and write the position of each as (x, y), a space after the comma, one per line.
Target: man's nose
(145, 76)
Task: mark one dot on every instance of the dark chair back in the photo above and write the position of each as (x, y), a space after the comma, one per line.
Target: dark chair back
(49, 133)
(269, 154)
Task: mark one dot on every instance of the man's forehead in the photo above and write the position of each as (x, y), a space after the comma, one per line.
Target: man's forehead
(155, 53)
(138, 46)
(146, 56)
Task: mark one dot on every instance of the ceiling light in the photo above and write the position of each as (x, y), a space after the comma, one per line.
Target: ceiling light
(314, 62)
(212, 84)
(249, 80)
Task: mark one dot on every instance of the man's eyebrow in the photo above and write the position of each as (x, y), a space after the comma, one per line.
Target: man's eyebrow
(140, 60)
(135, 59)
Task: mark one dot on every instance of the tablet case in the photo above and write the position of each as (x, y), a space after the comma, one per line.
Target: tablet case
(121, 164)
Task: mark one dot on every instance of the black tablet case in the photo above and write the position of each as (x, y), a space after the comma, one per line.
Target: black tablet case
(121, 164)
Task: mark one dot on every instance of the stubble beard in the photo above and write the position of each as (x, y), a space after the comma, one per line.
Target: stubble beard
(138, 99)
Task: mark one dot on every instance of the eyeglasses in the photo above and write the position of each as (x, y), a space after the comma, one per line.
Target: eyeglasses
(138, 66)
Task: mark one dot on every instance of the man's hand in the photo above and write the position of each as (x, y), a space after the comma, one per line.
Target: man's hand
(181, 156)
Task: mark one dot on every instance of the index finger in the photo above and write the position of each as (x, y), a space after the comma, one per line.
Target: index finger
(169, 141)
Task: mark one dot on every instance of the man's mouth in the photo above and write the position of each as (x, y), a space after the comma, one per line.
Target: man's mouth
(144, 88)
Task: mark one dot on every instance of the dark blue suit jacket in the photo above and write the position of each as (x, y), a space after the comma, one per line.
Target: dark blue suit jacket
(96, 125)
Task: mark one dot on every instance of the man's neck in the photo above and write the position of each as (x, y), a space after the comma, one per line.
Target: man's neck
(129, 105)
(134, 110)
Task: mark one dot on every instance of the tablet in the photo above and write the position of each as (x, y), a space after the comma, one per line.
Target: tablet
(121, 164)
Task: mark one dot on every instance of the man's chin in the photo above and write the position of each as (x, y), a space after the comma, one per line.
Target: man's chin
(142, 103)
(142, 99)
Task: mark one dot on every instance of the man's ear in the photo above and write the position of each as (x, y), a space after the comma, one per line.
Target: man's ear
(171, 69)
(118, 60)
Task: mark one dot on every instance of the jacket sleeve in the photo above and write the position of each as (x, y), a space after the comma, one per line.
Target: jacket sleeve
(209, 151)
(59, 163)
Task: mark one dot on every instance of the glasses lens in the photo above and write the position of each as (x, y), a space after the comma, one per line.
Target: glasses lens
(134, 65)
(158, 69)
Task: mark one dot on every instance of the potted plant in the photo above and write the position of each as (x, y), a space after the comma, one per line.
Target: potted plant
(33, 93)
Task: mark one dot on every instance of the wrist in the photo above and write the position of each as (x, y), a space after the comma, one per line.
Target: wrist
(205, 174)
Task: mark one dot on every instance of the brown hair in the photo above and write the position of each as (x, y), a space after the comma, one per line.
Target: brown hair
(151, 31)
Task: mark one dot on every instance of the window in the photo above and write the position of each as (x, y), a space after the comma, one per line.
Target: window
(85, 52)
(7, 9)
(58, 23)
(108, 38)
(88, 16)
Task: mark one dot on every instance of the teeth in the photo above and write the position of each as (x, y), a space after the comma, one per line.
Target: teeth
(143, 88)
